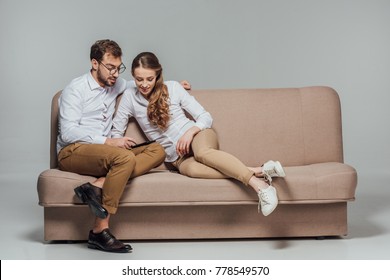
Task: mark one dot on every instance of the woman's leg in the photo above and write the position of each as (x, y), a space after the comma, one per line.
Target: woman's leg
(192, 168)
(205, 148)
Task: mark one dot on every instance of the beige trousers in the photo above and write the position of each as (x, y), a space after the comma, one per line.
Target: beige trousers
(118, 165)
(207, 161)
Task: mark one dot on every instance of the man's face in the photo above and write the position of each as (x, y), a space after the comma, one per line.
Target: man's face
(107, 70)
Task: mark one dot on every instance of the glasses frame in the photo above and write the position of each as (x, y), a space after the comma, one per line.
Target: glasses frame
(120, 69)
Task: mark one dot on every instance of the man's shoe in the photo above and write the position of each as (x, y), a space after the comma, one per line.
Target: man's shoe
(272, 169)
(92, 195)
(268, 200)
(105, 241)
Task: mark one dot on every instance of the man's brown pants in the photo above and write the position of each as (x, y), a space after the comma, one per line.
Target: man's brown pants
(118, 165)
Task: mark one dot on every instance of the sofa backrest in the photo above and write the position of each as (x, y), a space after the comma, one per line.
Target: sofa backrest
(297, 126)
(54, 130)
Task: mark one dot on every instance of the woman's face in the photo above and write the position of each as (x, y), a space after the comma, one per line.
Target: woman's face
(145, 80)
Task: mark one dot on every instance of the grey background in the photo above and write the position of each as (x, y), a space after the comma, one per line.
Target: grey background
(213, 44)
(343, 44)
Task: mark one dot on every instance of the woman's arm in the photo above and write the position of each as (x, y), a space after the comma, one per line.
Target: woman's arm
(120, 121)
(188, 103)
(184, 143)
(202, 119)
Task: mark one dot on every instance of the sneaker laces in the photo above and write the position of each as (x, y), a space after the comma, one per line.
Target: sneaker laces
(263, 200)
(272, 171)
(268, 174)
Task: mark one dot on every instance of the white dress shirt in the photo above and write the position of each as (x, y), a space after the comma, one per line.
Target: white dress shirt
(133, 104)
(86, 110)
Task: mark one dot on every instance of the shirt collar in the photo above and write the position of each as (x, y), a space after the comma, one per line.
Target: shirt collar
(140, 97)
(93, 84)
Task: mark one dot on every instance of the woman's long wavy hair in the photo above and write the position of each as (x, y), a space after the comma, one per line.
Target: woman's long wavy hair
(158, 108)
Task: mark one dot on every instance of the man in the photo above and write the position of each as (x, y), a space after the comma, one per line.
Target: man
(84, 146)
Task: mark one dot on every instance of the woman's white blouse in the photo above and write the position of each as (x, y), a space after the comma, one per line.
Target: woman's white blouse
(133, 104)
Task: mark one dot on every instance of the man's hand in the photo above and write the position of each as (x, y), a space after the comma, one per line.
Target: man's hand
(124, 142)
(186, 85)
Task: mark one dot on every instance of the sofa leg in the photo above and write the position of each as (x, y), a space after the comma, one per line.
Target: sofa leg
(320, 237)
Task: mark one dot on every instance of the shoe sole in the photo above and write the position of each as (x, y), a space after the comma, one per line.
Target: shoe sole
(96, 208)
(96, 247)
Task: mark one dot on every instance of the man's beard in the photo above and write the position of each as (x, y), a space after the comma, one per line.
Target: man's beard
(105, 81)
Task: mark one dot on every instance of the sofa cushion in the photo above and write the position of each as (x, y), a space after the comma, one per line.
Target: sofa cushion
(322, 182)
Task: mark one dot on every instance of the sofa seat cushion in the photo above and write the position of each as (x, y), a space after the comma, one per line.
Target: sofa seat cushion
(320, 182)
(315, 183)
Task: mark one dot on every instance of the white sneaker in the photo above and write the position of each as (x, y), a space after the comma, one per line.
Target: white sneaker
(272, 169)
(268, 200)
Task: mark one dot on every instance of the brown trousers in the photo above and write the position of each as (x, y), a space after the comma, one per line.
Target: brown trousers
(207, 161)
(118, 165)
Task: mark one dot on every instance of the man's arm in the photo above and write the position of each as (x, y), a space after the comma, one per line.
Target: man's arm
(70, 117)
(123, 142)
(185, 84)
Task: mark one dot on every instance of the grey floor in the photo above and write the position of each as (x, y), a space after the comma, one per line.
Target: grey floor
(369, 232)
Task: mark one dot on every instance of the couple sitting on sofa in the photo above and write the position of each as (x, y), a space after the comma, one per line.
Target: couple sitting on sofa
(86, 113)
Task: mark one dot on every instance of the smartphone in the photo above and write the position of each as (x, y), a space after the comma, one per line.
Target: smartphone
(142, 144)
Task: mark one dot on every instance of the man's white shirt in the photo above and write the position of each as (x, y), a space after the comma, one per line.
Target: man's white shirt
(86, 110)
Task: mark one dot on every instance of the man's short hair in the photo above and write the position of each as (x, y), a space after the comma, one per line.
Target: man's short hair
(100, 47)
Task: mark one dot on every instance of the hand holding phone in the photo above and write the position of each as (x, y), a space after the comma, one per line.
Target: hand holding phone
(143, 144)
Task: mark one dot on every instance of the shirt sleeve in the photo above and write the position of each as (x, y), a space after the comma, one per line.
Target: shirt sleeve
(202, 118)
(123, 114)
(70, 114)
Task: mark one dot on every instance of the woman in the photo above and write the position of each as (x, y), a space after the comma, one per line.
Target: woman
(191, 146)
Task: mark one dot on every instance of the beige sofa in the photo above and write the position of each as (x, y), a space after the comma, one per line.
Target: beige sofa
(300, 127)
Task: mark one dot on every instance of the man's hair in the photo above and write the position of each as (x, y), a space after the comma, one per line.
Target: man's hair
(100, 47)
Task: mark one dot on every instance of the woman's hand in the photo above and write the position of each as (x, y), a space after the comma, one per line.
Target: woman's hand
(184, 143)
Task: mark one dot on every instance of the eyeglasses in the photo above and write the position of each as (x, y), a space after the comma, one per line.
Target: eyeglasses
(114, 69)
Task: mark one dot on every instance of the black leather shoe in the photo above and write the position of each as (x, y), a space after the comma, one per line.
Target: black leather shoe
(105, 241)
(92, 195)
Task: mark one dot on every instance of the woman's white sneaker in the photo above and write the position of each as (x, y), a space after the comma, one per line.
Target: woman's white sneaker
(268, 200)
(273, 169)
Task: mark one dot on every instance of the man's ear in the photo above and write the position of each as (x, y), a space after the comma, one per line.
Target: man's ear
(95, 64)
